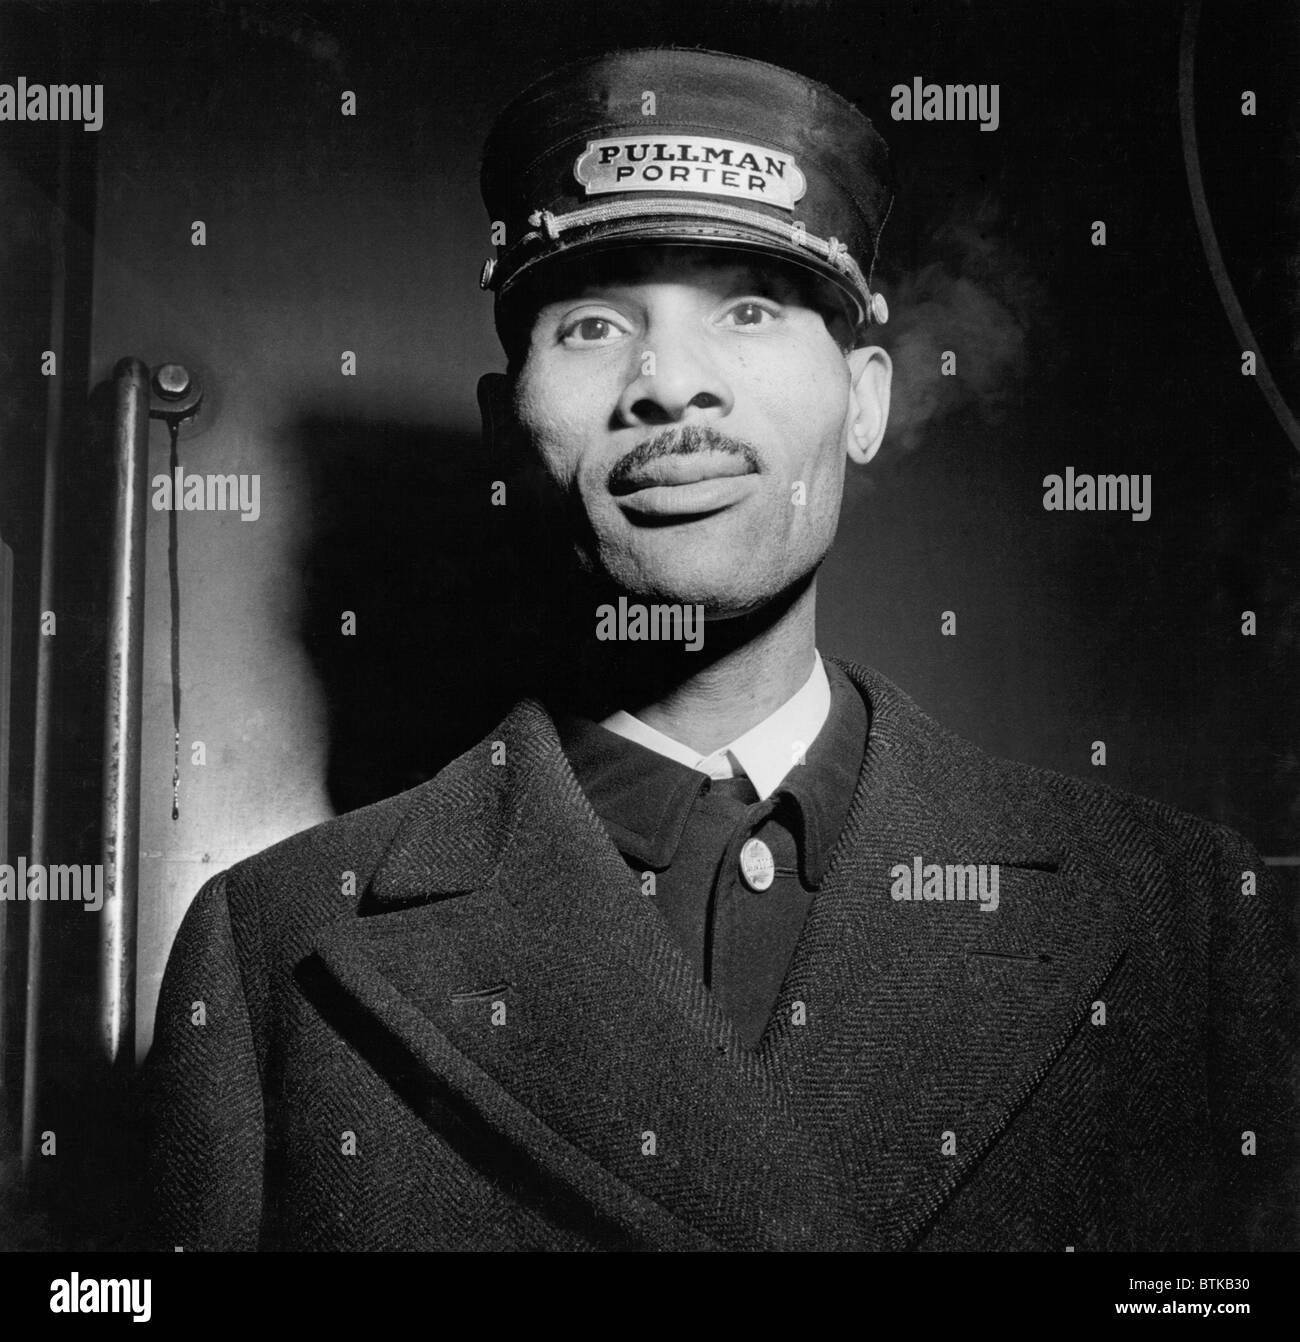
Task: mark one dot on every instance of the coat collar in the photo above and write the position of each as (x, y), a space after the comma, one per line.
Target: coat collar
(645, 799)
(917, 1018)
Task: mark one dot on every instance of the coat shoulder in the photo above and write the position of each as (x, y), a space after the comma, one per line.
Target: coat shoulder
(1091, 823)
(1094, 816)
(321, 874)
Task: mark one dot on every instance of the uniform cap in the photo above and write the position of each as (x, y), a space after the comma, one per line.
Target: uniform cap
(675, 145)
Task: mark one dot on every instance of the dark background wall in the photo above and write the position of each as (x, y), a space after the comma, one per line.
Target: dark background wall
(327, 234)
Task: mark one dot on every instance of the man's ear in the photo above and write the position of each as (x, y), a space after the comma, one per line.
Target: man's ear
(871, 372)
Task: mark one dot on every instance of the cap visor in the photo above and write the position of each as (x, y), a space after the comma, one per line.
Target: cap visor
(724, 235)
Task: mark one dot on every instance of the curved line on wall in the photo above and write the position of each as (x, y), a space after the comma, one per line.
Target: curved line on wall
(1209, 242)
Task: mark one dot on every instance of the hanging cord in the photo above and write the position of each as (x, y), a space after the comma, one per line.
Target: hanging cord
(173, 573)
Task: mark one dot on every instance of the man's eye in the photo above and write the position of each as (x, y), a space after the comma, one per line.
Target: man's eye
(589, 331)
(750, 314)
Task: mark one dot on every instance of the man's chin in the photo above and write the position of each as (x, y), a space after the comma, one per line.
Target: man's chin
(720, 599)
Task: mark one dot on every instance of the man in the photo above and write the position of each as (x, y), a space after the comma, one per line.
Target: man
(722, 943)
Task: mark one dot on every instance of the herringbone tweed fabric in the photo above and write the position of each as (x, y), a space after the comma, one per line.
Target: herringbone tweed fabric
(451, 1020)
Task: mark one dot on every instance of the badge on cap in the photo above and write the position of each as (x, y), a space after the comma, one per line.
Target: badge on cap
(690, 163)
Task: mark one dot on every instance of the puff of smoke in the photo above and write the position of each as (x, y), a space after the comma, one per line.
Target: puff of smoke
(971, 294)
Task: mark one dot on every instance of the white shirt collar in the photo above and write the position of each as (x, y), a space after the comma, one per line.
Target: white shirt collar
(764, 754)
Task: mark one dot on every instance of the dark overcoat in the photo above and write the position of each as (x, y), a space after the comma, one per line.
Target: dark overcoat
(452, 1020)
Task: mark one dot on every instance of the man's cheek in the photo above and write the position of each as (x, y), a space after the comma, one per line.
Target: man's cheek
(559, 460)
(812, 483)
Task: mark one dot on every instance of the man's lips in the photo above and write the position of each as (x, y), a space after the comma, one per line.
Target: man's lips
(676, 472)
(689, 493)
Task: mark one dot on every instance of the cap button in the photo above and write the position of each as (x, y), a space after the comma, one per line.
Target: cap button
(879, 309)
(485, 275)
(756, 865)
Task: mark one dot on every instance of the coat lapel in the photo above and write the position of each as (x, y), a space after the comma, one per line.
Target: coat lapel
(927, 1018)
(618, 1092)
(505, 945)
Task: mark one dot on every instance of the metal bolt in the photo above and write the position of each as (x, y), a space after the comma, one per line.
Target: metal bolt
(171, 381)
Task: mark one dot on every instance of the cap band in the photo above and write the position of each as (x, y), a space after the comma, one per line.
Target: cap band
(549, 228)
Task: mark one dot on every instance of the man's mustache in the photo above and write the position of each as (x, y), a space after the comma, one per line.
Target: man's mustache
(681, 442)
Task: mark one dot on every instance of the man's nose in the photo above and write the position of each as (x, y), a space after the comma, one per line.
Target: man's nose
(674, 372)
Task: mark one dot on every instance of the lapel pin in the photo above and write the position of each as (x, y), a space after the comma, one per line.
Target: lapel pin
(756, 865)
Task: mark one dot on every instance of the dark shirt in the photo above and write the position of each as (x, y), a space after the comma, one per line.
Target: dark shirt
(688, 830)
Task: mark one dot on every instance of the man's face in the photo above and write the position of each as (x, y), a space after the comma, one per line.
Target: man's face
(696, 410)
